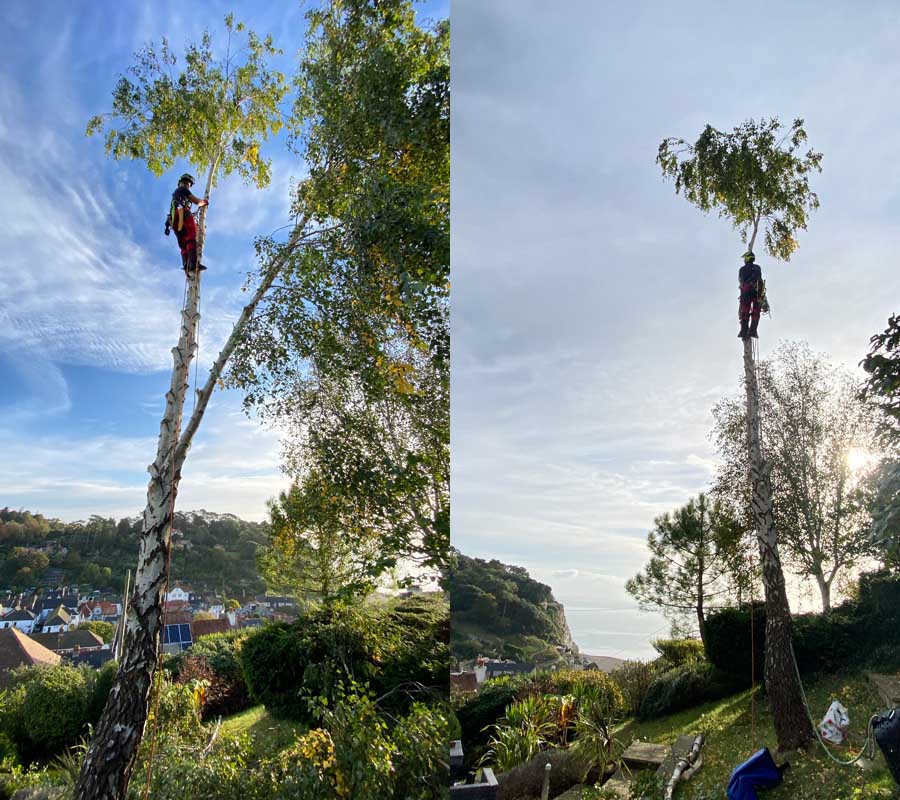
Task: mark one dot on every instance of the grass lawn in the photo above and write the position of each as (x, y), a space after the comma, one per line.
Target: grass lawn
(269, 735)
(729, 741)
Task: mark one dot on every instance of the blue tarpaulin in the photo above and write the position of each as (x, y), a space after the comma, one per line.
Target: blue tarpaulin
(757, 772)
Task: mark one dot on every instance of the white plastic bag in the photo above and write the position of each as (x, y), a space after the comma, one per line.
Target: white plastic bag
(834, 726)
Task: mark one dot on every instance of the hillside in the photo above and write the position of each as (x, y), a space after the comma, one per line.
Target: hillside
(498, 610)
(211, 551)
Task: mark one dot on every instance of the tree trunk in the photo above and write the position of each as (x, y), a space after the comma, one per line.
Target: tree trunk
(110, 759)
(792, 727)
(824, 591)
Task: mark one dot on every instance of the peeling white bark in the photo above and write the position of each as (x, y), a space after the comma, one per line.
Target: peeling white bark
(782, 687)
(111, 757)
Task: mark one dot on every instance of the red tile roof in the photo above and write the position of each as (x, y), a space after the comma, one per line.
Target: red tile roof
(17, 650)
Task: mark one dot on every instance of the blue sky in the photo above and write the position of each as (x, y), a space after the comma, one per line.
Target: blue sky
(90, 288)
(594, 311)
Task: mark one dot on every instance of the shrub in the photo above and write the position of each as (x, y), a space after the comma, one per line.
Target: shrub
(317, 652)
(728, 640)
(686, 687)
(416, 632)
(48, 709)
(420, 765)
(634, 679)
(678, 652)
(477, 712)
(103, 683)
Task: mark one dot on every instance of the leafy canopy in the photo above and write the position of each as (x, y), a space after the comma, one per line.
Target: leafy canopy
(351, 349)
(751, 176)
(211, 113)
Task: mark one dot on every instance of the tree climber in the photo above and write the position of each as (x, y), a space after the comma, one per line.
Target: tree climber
(181, 220)
(752, 298)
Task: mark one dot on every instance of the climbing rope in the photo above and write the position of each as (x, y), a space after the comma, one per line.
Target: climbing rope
(868, 748)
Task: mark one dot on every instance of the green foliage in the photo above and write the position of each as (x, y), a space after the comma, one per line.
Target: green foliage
(678, 652)
(496, 601)
(48, 709)
(691, 551)
(478, 712)
(728, 639)
(398, 652)
(222, 550)
(418, 651)
(753, 176)
(317, 653)
(354, 339)
(105, 630)
(103, 682)
(685, 687)
(213, 113)
(634, 679)
(320, 550)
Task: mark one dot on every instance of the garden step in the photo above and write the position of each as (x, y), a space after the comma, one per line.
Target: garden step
(680, 749)
(645, 754)
(888, 687)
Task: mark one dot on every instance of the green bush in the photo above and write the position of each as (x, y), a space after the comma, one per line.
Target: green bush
(728, 639)
(417, 634)
(479, 711)
(678, 652)
(47, 709)
(315, 654)
(103, 682)
(686, 687)
(634, 679)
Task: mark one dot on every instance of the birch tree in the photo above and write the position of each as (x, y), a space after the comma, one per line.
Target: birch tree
(761, 183)
(213, 114)
(823, 449)
(371, 319)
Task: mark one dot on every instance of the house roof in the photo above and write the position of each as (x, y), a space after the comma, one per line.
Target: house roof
(178, 617)
(18, 615)
(18, 650)
(107, 609)
(96, 658)
(68, 640)
(59, 617)
(204, 627)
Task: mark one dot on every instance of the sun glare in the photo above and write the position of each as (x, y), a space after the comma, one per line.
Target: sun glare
(858, 458)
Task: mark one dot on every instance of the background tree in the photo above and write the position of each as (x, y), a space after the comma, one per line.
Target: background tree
(690, 567)
(105, 630)
(822, 447)
(756, 179)
(321, 551)
(214, 114)
(371, 318)
(882, 389)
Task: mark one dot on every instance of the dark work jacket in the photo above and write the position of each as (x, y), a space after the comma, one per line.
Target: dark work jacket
(749, 273)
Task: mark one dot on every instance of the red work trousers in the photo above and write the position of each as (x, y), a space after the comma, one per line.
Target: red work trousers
(749, 303)
(187, 241)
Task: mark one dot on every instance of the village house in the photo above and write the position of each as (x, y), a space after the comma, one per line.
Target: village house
(19, 618)
(18, 650)
(57, 620)
(67, 642)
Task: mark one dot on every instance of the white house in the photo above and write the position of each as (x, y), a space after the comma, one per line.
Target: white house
(22, 619)
(177, 594)
(58, 621)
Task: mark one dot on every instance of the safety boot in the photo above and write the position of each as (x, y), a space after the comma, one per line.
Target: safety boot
(753, 326)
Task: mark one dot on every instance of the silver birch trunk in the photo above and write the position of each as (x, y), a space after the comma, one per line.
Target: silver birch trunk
(111, 757)
(785, 698)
